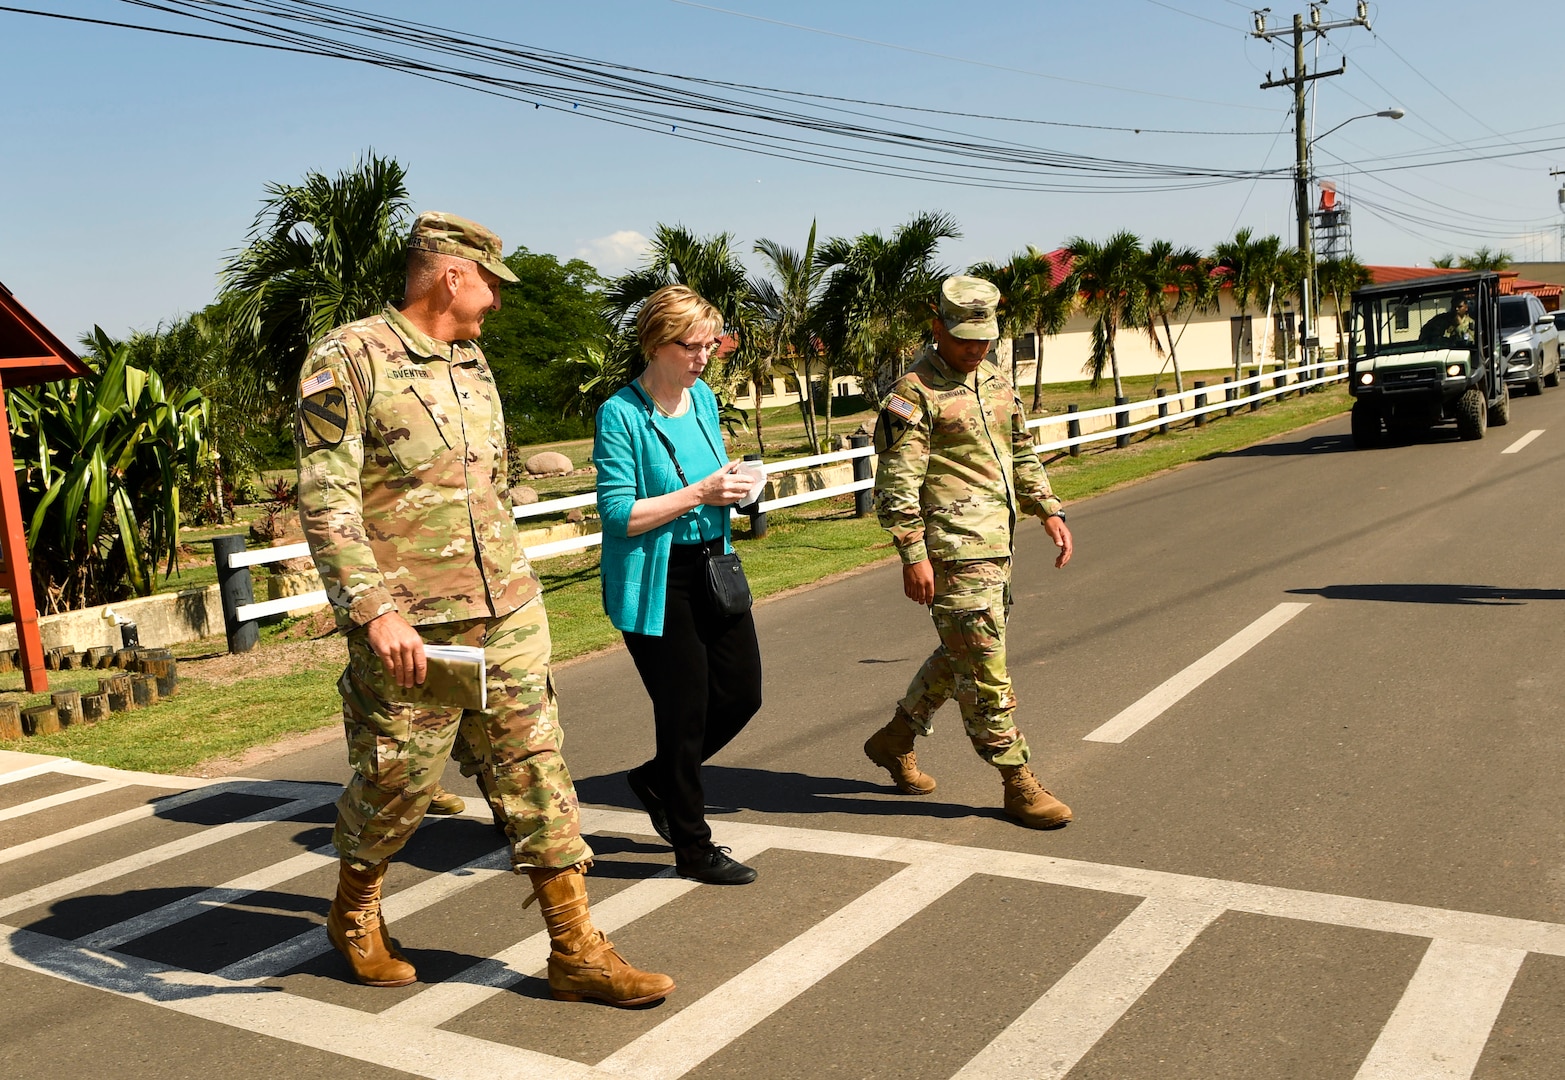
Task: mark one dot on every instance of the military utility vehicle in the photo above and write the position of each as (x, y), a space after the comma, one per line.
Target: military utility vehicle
(1425, 352)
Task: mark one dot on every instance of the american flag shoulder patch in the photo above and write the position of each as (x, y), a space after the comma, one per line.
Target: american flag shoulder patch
(321, 380)
(898, 405)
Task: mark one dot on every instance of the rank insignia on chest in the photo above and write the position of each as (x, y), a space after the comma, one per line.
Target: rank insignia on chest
(323, 416)
(900, 406)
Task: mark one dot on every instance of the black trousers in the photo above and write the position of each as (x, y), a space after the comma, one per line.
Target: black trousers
(704, 677)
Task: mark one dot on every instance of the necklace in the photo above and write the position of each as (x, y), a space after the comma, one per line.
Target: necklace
(678, 410)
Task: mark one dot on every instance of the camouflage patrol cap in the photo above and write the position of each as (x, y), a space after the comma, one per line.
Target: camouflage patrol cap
(967, 307)
(452, 235)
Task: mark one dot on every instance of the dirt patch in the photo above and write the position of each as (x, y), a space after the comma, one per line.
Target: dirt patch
(265, 661)
(241, 763)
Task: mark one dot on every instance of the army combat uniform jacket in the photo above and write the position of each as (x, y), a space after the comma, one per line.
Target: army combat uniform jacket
(402, 477)
(956, 464)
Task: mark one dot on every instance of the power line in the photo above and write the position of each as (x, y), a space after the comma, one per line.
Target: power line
(673, 105)
(955, 59)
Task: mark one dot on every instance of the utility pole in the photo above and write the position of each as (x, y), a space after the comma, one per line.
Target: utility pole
(1561, 172)
(1299, 81)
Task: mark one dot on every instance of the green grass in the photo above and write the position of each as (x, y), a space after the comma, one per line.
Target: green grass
(201, 721)
(803, 544)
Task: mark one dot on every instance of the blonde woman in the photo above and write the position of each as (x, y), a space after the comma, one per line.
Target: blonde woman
(665, 486)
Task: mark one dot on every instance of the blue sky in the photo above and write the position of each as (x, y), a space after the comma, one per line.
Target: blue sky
(135, 163)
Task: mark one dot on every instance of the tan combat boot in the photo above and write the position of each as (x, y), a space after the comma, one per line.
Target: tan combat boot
(583, 963)
(1029, 802)
(445, 804)
(355, 927)
(892, 749)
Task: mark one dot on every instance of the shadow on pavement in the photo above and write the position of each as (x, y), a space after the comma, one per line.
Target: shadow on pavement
(729, 790)
(1482, 595)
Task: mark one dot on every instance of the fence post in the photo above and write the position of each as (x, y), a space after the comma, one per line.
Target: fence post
(236, 590)
(1255, 402)
(1200, 403)
(1229, 393)
(861, 471)
(1073, 430)
(1121, 422)
(1280, 380)
(757, 515)
(1162, 410)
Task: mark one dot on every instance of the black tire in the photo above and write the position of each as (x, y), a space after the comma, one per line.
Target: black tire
(1472, 415)
(1366, 425)
(1552, 378)
(1500, 411)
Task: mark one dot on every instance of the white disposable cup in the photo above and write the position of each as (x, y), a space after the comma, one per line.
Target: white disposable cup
(757, 471)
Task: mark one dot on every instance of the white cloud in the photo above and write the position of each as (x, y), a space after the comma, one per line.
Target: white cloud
(615, 253)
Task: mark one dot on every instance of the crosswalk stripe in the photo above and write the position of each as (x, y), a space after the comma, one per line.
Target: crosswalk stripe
(61, 798)
(1051, 1037)
(1440, 1027)
(216, 834)
(161, 806)
(706, 1026)
(296, 950)
(227, 893)
(351, 1033)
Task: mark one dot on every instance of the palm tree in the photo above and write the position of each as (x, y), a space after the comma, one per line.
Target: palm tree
(1107, 277)
(319, 254)
(786, 307)
(1019, 282)
(1485, 259)
(1339, 277)
(707, 265)
(1250, 269)
(874, 310)
(1177, 281)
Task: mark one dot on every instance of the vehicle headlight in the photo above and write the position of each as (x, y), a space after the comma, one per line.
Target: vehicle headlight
(1365, 378)
(1521, 356)
(1455, 369)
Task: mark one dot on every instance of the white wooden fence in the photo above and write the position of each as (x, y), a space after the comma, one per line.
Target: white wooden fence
(1246, 392)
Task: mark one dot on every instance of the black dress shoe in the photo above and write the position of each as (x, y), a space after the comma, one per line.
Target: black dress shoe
(652, 804)
(714, 867)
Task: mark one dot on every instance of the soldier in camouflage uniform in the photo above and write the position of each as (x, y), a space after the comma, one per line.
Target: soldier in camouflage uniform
(956, 465)
(403, 498)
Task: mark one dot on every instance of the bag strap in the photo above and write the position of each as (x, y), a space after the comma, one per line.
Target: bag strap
(669, 446)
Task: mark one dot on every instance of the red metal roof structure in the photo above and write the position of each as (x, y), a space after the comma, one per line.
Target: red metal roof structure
(29, 354)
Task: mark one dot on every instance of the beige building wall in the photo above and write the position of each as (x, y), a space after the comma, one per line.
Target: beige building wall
(1202, 342)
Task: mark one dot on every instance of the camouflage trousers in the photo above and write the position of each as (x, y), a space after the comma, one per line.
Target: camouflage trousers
(972, 601)
(399, 750)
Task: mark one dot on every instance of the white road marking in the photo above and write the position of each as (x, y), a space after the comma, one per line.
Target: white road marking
(27, 772)
(162, 805)
(63, 798)
(1437, 1032)
(1442, 1023)
(1154, 704)
(296, 950)
(237, 889)
(216, 834)
(701, 1029)
(1521, 443)
(1050, 1038)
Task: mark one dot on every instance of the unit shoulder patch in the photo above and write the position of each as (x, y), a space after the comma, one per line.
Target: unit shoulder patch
(323, 415)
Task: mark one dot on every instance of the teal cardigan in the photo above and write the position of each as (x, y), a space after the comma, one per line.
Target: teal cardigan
(633, 464)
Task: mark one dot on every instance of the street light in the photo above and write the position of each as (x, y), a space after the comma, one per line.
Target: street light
(1307, 313)
(1396, 112)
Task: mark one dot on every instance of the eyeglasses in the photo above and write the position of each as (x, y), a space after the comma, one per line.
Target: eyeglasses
(696, 346)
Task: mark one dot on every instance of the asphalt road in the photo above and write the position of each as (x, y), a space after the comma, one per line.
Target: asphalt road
(1304, 701)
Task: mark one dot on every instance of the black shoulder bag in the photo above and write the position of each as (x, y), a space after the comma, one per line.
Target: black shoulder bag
(725, 578)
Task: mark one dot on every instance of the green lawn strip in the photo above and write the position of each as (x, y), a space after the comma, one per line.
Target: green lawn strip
(201, 721)
(803, 544)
